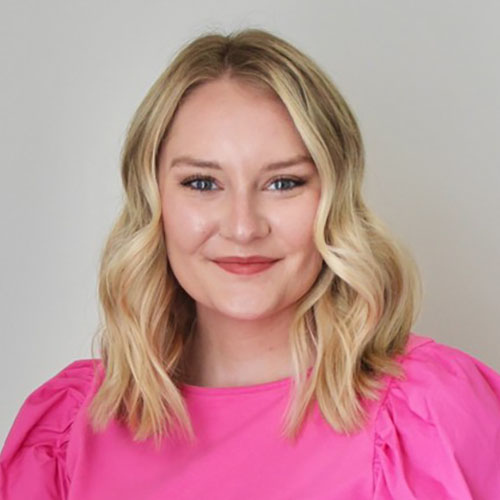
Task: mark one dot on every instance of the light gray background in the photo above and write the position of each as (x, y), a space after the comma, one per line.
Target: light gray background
(422, 78)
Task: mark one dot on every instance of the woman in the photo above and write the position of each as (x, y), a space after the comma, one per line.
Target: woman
(256, 315)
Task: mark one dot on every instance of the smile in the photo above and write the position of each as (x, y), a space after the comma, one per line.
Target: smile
(239, 268)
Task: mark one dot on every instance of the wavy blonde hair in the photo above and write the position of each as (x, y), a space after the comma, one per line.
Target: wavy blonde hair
(353, 321)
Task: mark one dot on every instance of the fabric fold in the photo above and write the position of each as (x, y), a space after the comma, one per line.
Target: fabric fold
(33, 458)
(437, 432)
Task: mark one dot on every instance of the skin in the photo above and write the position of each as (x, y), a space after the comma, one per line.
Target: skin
(242, 336)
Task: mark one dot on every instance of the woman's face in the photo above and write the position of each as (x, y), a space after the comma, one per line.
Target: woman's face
(243, 208)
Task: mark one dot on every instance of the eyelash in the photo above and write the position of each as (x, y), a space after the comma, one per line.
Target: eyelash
(186, 182)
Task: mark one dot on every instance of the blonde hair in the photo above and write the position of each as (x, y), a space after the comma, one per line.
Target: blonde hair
(353, 321)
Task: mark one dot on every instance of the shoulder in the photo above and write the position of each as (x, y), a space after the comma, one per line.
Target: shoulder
(64, 392)
(37, 441)
(444, 375)
(78, 374)
(437, 431)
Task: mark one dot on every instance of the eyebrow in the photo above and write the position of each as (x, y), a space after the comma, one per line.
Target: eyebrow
(189, 160)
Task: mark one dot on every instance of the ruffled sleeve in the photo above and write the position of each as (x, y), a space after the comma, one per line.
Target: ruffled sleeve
(437, 433)
(33, 458)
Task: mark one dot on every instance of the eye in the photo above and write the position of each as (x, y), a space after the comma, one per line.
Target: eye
(190, 181)
(288, 180)
(196, 183)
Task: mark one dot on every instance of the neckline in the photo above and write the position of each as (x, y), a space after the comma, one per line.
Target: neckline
(274, 385)
(240, 389)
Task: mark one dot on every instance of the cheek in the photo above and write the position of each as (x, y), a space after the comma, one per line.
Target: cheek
(185, 225)
(295, 225)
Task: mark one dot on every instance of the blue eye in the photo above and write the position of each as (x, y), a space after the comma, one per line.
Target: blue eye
(190, 181)
(287, 180)
(204, 180)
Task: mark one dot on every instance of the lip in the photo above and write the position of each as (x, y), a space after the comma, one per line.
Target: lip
(251, 259)
(246, 268)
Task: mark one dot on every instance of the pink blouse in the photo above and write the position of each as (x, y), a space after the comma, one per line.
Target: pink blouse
(433, 436)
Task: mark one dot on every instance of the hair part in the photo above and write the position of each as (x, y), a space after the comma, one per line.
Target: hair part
(353, 321)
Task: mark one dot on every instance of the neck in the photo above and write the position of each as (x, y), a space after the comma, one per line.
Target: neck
(226, 352)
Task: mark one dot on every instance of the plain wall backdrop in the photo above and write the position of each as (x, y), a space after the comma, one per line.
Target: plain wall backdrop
(422, 78)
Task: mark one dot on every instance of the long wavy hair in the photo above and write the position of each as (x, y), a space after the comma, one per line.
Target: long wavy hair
(352, 322)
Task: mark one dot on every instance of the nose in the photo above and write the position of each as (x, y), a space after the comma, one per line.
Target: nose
(243, 219)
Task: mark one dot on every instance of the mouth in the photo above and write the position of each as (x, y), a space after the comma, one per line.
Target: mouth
(246, 268)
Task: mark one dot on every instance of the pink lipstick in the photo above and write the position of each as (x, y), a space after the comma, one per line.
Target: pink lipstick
(245, 265)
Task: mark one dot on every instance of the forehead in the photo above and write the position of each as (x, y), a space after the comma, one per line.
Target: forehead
(227, 114)
(229, 89)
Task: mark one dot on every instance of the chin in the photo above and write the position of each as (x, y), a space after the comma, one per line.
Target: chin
(246, 313)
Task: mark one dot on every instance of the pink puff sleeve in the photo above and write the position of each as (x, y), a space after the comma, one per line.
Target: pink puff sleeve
(33, 458)
(437, 433)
